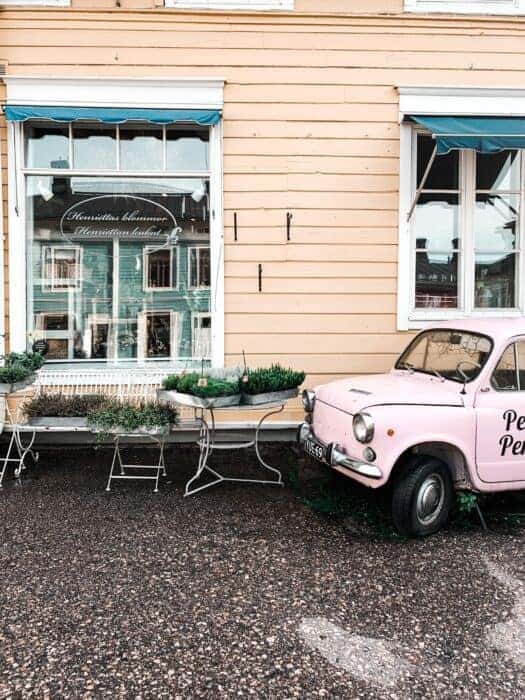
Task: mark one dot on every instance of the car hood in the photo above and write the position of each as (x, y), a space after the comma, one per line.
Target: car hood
(396, 388)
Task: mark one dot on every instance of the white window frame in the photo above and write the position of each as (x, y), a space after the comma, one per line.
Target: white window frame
(476, 7)
(142, 341)
(48, 284)
(451, 102)
(182, 93)
(248, 5)
(50, 3)
(198, 248)
(174, 267)
(197, 316)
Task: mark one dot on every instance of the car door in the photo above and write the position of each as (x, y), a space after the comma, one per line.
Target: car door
(500, 419)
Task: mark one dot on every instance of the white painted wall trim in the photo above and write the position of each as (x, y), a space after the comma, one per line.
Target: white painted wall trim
(161, 93)
(249, 5)
(217, 246)
(17, 241)
(476, 7)
(465, 101)
(51, 3)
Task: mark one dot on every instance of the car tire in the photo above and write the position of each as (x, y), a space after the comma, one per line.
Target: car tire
(422, 497)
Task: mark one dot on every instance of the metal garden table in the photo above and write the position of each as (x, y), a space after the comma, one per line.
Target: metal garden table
(208, 443)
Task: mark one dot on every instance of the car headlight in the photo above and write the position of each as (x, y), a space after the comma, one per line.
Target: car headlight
(308, 400)
(363, 427)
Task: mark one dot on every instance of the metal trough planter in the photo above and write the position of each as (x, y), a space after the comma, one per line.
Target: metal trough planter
(59, 421)
(197, 402)
(270, 397)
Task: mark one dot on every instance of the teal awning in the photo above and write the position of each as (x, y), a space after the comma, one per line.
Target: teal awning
(481, 134)
(113, 115)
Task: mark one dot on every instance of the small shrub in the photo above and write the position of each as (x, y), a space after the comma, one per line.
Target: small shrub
(62, 406)
(274, 378)
(466, 501)
(189, 384)
(128, 417)
(9, 374)
(30, 360)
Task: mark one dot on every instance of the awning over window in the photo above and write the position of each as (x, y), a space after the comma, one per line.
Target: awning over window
(482, 134)
(113, 115)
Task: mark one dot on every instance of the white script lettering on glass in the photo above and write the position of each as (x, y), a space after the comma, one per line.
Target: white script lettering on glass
(116, 215)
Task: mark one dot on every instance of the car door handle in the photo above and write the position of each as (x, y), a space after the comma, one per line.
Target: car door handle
(484, 389)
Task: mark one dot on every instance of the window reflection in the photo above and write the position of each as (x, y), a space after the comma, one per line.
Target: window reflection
(94, 147)
(120, 268)
(498, 171)
(495, 281)
(140, 148)
(47, 145)
(186, 149)
(436, 280)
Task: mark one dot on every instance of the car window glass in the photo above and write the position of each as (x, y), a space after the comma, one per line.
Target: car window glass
(520, 352)
(505, 376)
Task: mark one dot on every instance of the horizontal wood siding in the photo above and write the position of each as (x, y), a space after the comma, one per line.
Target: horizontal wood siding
(310, 127)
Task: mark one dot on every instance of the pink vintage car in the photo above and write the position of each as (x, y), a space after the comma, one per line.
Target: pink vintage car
(450, 415)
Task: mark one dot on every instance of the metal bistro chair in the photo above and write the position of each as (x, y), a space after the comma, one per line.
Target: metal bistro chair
(18, 448)
(124, 384)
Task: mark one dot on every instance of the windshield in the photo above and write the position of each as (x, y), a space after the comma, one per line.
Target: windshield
(450, 354)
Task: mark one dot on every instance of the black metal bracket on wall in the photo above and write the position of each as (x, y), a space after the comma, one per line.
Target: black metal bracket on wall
(289, 217)
(260, 277)
(235, 226)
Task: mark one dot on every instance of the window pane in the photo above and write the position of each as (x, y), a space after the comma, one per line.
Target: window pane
(495, 222)
(495, 281)
(158, 335)
(436, 280)
(94, 147)
(204, 267)
(436, 222)
(102, 264)
(140, 148)
(47, 146)
(504, 376)
(159, 269)
(444, 174)
(187, 149)
(498, 171)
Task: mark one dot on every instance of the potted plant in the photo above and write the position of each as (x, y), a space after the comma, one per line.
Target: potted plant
(127, 418)
(201, 391)
(270, 384)
(19, 370)
(62, 411)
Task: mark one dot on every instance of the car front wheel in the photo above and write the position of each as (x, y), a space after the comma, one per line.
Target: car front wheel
(422, 497)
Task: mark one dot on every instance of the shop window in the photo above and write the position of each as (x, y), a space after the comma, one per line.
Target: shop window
(199, 267)
(503, 7)
(465, 232)
(160, 268)
(103, 248)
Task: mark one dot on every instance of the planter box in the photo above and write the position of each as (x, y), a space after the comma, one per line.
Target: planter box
(59, 421)
(17, 386)
(140, 432)
(271, 397)
(196, 401)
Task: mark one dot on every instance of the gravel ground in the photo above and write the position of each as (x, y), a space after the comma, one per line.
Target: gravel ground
(242, 591)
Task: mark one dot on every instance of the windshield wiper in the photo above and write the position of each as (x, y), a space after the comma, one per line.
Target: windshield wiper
(438, 374)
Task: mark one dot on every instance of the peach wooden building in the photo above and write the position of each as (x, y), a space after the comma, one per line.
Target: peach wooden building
(188, 180)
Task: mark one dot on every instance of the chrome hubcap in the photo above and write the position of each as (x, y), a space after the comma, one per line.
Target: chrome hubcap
(430, 498)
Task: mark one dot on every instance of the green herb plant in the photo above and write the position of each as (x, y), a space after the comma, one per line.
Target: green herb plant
(268, 379)
(212, 388)
(18, 366)
(63, 406)
(126, 417)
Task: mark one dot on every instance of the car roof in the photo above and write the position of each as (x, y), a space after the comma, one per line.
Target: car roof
(499, 329)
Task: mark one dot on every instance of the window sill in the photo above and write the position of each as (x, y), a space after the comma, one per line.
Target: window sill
(485, 7)
(417, 321)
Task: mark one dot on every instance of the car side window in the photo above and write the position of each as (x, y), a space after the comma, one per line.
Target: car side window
(505, 376)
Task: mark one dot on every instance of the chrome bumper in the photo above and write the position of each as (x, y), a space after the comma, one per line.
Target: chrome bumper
(338, 458)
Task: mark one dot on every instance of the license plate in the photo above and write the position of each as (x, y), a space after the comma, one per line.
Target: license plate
(313, 448)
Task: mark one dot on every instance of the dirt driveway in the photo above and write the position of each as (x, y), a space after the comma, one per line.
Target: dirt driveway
(243, 591)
